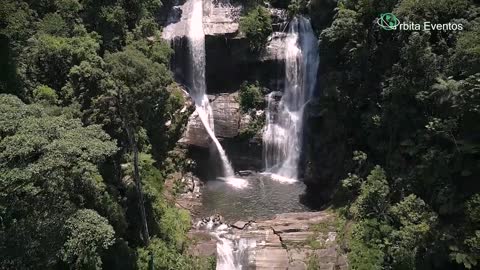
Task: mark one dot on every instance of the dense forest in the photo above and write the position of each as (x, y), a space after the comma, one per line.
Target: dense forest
(90, 116)
(90, 106)
(405, 108)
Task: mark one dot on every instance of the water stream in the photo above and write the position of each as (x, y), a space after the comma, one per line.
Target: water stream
(258, 195)
(196, 38)
(282, 137)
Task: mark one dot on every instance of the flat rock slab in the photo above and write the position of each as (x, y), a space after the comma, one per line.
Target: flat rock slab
(297, 236)
(271, 258)
(284, 242)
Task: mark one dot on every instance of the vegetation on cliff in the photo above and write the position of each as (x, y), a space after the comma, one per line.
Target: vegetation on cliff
(256, 24)
(251, 96)
(406, 104)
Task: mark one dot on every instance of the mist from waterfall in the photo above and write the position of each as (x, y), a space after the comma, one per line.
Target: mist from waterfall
(282, 136)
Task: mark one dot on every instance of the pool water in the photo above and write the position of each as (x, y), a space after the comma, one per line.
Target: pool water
(262, 198)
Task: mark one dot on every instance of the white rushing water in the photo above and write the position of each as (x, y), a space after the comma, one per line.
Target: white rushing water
(196, 37)
(232, 253)
(282, 136)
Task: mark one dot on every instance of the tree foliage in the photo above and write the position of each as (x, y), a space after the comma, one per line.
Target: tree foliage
(257, 26)
(409, 101)
(93, 94)
(48, 170)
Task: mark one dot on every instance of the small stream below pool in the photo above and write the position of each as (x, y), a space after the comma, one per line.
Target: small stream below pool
(263, 198)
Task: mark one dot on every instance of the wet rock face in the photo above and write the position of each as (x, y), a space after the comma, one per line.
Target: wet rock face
(195, 134)
(226, 115)
(230, 62)
(226, 118)
(289, 241)
(229, 121)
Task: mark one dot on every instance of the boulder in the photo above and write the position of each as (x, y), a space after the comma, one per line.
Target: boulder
(239, 224)
(195, 133)
(226, 118)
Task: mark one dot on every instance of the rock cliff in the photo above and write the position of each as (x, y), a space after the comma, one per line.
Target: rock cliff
(297, 241)
(229, 63)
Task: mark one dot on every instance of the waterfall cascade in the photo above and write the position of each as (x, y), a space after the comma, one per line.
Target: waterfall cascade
(196, 36)
(233, 253)
(282, 136)
(192, 26)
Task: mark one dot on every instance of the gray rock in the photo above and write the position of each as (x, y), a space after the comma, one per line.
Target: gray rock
(195, 133)
(226, 115)
(245, 121)
(239, 224)
(327, 266)
(296, 236)
(246, 173)
(278, 242)
(271, 258)
(275, 48)
(297, 265)
(218, 19)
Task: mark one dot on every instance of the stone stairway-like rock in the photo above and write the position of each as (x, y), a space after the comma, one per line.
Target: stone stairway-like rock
(290, 241)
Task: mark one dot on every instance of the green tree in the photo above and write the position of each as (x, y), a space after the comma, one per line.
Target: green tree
(373, 198)
(251, 96)
(257, 26)
(48, 170)
(48, 59)
(88, 234)
(416, 226)
(139, 86)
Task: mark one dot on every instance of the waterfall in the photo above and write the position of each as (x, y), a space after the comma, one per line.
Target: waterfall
(196, 36)
(282, 136)
(232, 254)
(196, 39)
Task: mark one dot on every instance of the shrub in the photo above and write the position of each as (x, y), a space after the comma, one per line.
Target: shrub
(297, 7)
(373, 197)
(257, 26)
(45, 93)
(164, 256)
(251, 97)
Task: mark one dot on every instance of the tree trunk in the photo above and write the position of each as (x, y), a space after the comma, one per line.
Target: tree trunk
(138, 184)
